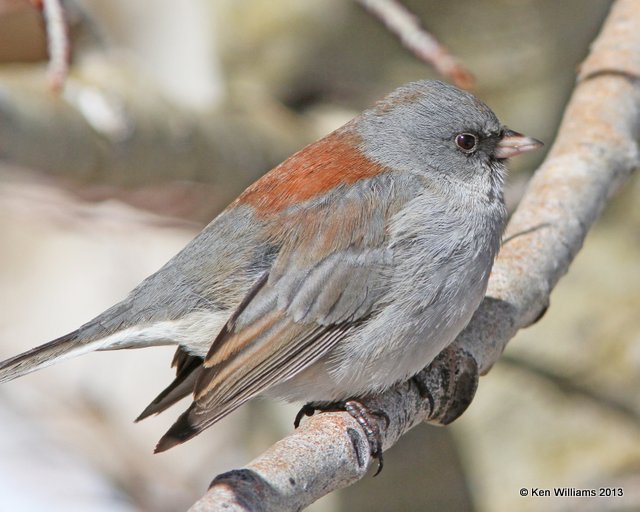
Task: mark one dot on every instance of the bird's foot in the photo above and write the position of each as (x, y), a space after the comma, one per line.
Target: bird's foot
(308, 410)
(366, 418)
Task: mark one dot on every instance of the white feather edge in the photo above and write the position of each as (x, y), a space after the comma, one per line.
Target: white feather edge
(195, 332)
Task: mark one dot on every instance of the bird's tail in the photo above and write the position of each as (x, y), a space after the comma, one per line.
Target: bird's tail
(94, 335)
(67, 346)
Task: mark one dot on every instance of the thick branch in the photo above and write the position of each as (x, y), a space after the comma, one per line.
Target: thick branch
(596, 150)
(121, 132)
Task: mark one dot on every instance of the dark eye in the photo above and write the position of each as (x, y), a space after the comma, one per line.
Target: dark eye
(467, 142)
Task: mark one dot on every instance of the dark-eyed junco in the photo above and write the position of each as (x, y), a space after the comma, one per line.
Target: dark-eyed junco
(341, 272)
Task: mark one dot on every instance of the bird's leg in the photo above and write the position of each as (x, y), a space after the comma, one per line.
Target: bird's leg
(366, 418)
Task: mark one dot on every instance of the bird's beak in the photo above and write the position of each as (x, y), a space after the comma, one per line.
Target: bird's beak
(514, 143)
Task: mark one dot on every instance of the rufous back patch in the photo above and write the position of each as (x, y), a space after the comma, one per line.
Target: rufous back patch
(315, 170)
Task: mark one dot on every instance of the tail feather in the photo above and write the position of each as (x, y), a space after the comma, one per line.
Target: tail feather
(182, 430)
(94, 335)
(182, 386)
(193, 421)
(45, 355)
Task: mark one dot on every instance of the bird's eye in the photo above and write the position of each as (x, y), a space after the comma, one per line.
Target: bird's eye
(467, 142)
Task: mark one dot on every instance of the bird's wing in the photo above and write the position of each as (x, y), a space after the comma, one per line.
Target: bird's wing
(325, 280)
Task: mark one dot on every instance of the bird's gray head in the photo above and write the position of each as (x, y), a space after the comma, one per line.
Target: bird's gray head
(435, 129)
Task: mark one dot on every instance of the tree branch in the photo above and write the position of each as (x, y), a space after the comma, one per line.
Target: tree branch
(595, 151)
(121, 132)
(58, 44)
(406, 26)
(573, 387)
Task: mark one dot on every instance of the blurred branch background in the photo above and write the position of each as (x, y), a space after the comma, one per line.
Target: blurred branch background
(169, 111)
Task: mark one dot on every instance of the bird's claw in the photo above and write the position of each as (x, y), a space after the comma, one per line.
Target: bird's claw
(362, 414)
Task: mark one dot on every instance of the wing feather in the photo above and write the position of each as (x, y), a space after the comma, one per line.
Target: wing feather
(324, 281)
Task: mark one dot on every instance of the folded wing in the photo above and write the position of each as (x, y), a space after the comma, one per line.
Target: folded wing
(320, 287)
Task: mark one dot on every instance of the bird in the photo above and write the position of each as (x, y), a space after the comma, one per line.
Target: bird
(341, 272)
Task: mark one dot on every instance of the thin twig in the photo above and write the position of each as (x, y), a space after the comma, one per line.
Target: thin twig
(57, 42)
(569, 386)
(596, 150)
(406, 26)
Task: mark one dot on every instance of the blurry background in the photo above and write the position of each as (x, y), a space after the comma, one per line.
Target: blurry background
(171, 109)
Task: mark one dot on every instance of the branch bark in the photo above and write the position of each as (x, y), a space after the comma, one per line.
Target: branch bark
(595, 151)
